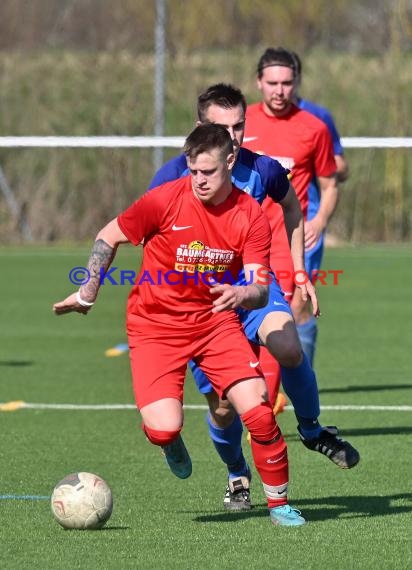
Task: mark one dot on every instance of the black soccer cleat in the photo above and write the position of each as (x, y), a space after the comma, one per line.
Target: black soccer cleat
(237, 495)
(336, 449)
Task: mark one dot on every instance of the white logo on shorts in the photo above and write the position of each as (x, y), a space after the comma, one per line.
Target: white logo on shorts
(253, 364)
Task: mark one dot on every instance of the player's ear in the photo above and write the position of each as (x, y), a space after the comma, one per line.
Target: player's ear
(198, 123)
(231, 159)
(259, 84)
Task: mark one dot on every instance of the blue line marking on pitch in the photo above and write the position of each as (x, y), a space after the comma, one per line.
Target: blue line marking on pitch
(123, 347)
(26, 497)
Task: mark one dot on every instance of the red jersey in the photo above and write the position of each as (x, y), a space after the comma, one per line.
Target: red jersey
(185, 242)
(299, 141)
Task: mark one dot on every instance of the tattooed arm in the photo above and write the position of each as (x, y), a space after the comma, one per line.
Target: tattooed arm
(101, 257)
(100, 260)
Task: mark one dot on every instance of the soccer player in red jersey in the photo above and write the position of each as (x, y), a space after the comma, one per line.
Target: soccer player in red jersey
(198, 231)
(302, 143)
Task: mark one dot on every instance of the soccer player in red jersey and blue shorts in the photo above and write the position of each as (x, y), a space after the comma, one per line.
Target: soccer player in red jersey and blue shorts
(302, 143)
(314, 256)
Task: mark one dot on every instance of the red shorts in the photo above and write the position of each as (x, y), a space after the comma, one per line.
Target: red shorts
(280, 257)
(159, 359)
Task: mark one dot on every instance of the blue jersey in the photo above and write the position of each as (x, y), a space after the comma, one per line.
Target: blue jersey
(325, 116)
(256, 174)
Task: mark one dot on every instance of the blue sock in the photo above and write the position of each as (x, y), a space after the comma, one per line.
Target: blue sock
(308, 333)
(302, 390)
(228, 444)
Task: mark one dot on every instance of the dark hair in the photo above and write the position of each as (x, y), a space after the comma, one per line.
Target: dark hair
(207, 137)
(298, 62)
(279, 56)
(223, 95)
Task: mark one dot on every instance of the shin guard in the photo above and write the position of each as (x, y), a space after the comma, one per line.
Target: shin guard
(271, 371)
(269, 452)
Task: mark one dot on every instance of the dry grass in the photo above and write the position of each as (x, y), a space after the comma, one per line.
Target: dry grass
(68, 194)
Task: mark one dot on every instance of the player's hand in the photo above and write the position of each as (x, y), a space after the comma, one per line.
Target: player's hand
(70, 305)
(230, 297)
(313, 232)
(308, 291)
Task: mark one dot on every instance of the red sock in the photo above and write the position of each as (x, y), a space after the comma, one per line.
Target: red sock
(271, 371)
(269, 453)
(160, 437)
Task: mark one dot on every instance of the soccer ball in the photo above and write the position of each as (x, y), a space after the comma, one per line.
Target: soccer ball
(82, 501)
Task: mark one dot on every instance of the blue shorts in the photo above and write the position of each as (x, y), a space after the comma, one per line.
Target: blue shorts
(251, 321)
(314, 256)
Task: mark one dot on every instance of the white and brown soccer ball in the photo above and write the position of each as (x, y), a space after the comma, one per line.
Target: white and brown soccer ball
(82, 501)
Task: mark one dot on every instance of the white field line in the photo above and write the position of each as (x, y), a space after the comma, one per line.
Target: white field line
(12, 406)
(168, 142)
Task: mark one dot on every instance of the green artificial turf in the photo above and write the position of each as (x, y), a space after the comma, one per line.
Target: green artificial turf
(356, 519)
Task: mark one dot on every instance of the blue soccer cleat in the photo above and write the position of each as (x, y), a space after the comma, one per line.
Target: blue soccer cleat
(178, 458)
(286, 516)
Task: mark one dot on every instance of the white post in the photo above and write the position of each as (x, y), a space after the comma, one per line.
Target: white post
(16, 211)
(159, 82)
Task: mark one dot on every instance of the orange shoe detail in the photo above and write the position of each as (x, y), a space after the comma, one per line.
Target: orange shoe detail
(280, 404)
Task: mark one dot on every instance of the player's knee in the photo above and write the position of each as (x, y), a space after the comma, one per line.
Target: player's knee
(160, 437)
(288, 350)
(261, 423)
(221, 411)
(291, 356)
(222, 416)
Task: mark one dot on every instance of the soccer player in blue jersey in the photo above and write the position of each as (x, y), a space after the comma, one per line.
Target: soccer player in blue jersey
(313, 258)
(272, 326)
